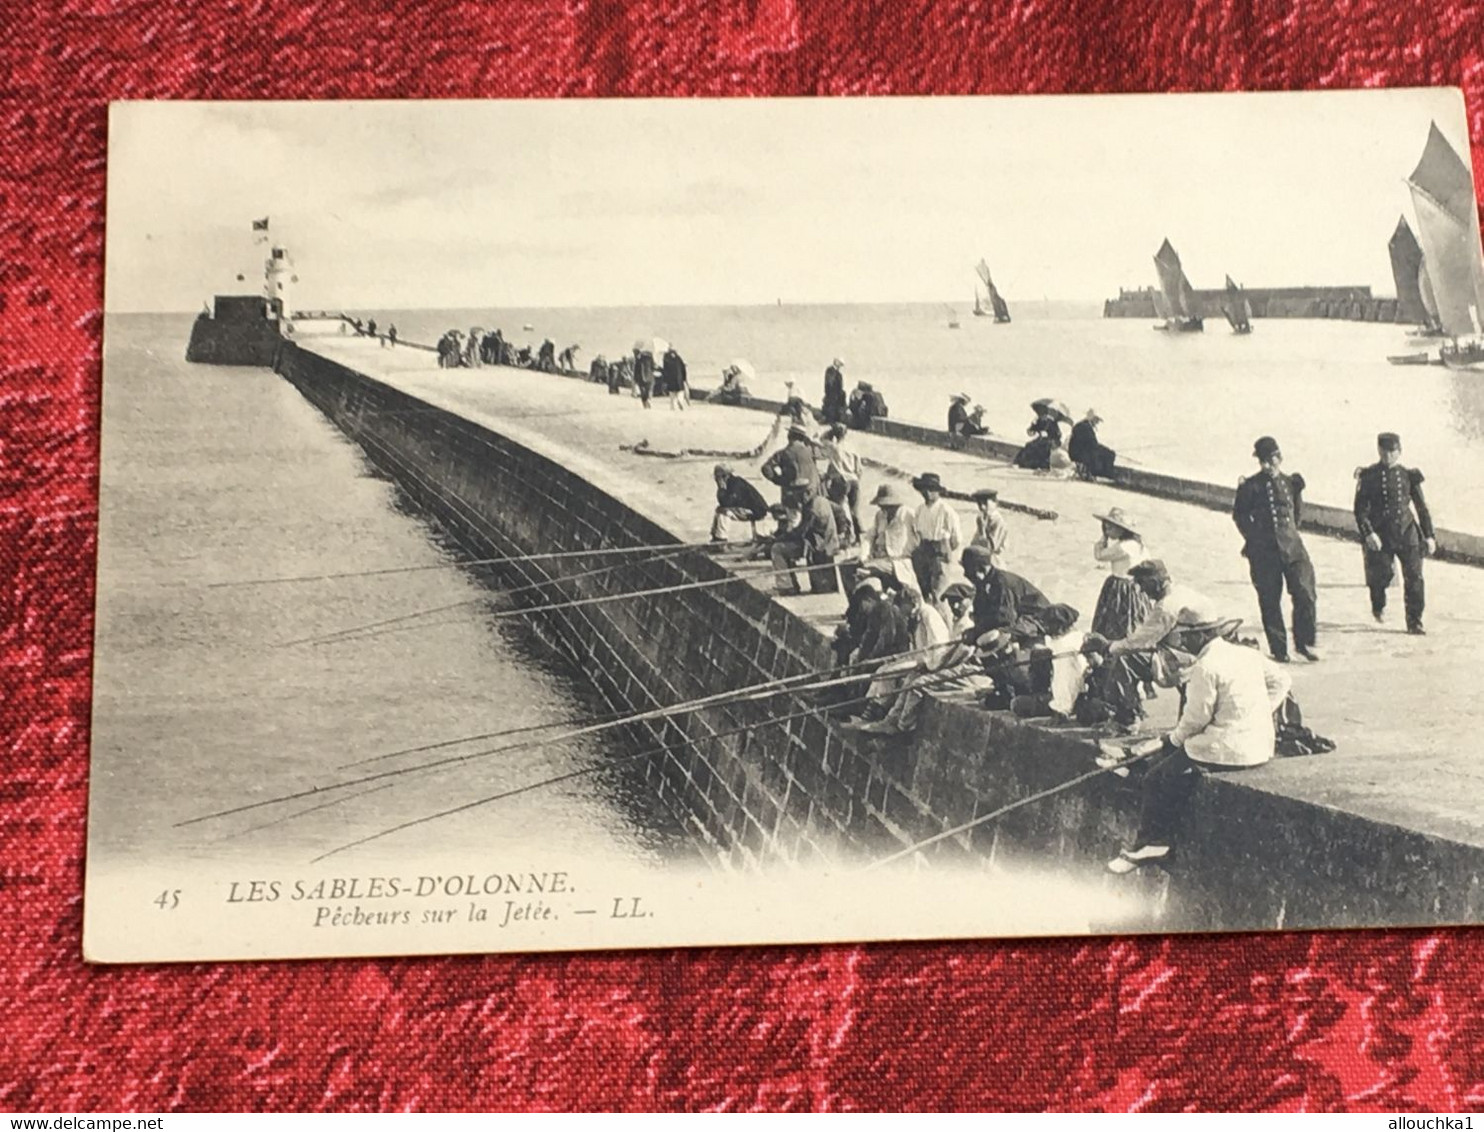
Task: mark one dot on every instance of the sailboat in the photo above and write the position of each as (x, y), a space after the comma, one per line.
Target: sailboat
(1175, 301)
(952, 318)
(1237, 309)
(1448, 230)
(980, 310)
(996, 301)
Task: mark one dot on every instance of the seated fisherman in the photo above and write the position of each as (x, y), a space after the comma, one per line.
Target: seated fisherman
(1227, 724)
(736, 500)
(784, 521)
(928, 644)
(1141, 659)
(731, 390)
(814, 541)
(1000, 597)
(1041, 661)
(893, 535)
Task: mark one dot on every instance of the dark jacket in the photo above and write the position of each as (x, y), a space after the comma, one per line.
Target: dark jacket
(958, 418)
(1001, 598)
(833, 405)
(816, 532)
(1268, 511)
(793, 465)
(1384, 502)
(1083, 445)
(738, 493)
(644, 371)
(885, 632)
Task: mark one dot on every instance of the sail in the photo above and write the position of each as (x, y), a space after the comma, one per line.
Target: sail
(1179, 296)
(996, 300)
(1425, 294)
(1406, 267)
(1448, 229)
(978, 306)
(982, 270)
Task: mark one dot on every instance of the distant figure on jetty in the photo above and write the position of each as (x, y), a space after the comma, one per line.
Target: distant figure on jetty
(832, 408)
(597, 373)
(1121, 602)
(866, 404)
(1093, 460)
(391, 335)
(732, 390)
(567, 359)
(794, 406)
(546, 358)
(1045, 434)
(975, 425)
(793, 465)
(814, 541)
(893, 534)
(1269, 507)
(843, 465)
(991, 531)
(643, 373)
(473, 356)
(676, 379)
(497, 347)
(736, 501)
(450, 351)
(619, 374)
(958, 415)
(371, 327)
(1231, 695)
(1394, 523)
(939, 537)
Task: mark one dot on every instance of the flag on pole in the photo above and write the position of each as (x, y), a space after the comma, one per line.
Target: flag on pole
(260, 225)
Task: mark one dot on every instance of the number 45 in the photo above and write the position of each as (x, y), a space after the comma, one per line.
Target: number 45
(169, 899)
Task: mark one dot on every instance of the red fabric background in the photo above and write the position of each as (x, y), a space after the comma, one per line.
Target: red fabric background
(1357, 1020)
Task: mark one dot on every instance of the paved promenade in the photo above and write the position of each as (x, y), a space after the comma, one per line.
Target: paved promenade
(1403, 710)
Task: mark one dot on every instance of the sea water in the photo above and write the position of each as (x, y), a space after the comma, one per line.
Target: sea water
(1184, 404)
(216, 476)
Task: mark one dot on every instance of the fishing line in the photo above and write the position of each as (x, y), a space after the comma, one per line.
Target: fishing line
(576, 721)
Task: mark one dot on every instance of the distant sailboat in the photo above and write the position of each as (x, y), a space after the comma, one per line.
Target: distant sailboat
(980, 310)
(1448, 229)
(1175, 302)
(996, 301)
(1408, 272)
(952, 318)
(1237, 309)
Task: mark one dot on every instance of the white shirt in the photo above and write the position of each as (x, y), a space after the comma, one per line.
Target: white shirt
(842, 459)
(1067, 672)
(1230, 698)
(894, 538)
(1119, 555)
(1156, 626)
(938, 522)
(930, 632)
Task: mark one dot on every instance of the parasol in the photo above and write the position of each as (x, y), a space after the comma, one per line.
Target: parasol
(745, 368)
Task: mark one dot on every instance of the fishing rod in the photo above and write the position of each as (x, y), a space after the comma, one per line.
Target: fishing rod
(590, 770)
(777, 686)
(354, 632)
(1003, 810)
(576, 721)
(1007, 504)
(504, 559)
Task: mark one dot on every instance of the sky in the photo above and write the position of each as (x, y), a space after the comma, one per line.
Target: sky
(396, 205)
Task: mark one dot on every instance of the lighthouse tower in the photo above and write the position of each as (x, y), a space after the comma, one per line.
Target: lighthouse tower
(278, 280)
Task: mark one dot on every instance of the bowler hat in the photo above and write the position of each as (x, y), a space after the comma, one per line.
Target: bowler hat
(984, 493)
(976, 557)
(928, 481)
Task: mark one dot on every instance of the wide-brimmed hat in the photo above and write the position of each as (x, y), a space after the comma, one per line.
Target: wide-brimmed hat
(1189, 620)
(1264, 447)
(722, 470)
(1120, 519)
(890, 495)
(1092, 415)
(984, 493)
(838, 362)
(964, 397)
(799, 431)
(867, 582)
(928, 481)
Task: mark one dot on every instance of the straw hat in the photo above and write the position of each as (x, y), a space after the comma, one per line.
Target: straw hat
(890, 495)
(1119, 519)
(928, 481)
(964, 397)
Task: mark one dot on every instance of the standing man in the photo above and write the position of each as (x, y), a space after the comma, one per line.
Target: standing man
(833, 406)
(1267, 512)
(793, 465)
(938, 534)
(1386, 496)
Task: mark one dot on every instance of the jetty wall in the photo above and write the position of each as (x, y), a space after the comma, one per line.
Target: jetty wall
(1355, 304)
(755, 793)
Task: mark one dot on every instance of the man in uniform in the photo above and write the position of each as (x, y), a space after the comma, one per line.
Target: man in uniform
(1386, 495)
(1267, 512)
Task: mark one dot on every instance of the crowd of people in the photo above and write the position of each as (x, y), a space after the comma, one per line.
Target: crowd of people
(912, 619)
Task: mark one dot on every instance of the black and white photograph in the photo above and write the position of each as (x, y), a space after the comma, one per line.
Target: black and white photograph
(596, 524)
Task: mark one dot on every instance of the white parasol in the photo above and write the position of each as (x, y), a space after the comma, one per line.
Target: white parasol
(745, 368)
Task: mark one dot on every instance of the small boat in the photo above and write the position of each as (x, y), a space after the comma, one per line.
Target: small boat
(1421, 358)
(997, 304)
(527, 326)
(952, 318)
(1452, 275)
(1175, 300)
(1237, 309)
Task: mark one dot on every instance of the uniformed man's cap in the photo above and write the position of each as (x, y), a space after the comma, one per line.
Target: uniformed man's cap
(1389, 441)
(985, 493)
(1266, 446)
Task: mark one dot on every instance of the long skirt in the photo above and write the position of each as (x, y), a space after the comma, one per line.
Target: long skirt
(1121, 607)
(1035, 455)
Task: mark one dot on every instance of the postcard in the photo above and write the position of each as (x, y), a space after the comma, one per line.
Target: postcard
(591, 524)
